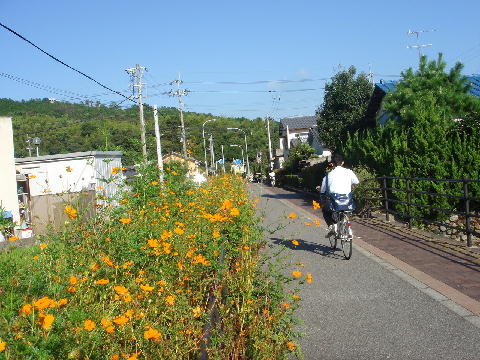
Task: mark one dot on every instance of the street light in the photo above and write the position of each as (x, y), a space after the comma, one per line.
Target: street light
(36, 141)
(243, 157)
(204, 145)
(246, 147)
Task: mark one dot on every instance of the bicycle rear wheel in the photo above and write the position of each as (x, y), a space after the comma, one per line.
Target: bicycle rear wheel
(346, 239)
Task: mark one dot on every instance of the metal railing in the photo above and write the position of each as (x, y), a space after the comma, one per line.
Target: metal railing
(464, 200)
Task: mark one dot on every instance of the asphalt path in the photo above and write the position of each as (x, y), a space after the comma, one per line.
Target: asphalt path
(358, 309)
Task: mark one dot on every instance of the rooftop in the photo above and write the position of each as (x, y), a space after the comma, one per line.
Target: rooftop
(297, 122)
(76, 155)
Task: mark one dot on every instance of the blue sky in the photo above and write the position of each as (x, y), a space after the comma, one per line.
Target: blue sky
(210, 42)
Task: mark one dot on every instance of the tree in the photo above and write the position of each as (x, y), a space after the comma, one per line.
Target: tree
(302, 151)
(433, 96)
(344, 106)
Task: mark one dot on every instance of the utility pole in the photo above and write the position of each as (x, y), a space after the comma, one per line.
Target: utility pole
(212, 155)
(419, 46)
(159, 145)
(269, 145)
(223, 161)
(180, 93)
(136, 74)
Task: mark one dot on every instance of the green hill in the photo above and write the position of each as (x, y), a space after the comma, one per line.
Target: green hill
(68, 127)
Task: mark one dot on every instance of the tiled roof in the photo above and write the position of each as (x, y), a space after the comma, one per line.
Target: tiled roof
(297, 122)
(387, 86)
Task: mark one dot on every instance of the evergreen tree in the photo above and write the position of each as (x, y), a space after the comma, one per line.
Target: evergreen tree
(344, 106)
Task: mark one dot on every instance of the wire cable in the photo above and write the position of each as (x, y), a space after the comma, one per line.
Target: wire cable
(63, 63)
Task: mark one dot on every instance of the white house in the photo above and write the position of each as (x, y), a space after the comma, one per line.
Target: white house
(50, 181)
(293, 130)
(8, 183)
(74, 172)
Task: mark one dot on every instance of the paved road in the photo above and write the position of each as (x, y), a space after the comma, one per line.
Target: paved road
(358, 309)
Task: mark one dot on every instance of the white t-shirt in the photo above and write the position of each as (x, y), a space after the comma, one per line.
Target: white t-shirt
(340, 181)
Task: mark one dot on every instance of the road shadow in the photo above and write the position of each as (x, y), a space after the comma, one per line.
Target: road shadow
(320, 249)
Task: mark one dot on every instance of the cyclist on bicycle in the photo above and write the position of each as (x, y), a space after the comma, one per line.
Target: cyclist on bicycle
(338, 183)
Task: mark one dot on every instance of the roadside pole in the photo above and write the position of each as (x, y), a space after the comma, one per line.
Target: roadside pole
(159, 145)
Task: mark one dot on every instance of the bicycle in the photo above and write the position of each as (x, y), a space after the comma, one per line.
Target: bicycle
(342, 232)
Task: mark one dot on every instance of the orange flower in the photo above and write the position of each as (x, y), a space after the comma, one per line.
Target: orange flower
(152, 333)
(152, 242)
(234, 212)
(72, 280)
(292, 215)
(89, 325)
(102, 281)
(154, 183)
(43, 246)
(44, 303)
(316, 205)
(71, 289)
(68, 169)
(114, 357)
(170, 300)
(126, 220)
(115, 170)
(291, 345)
(70, 211)
(13, 238)
(3, 345)
(105, 322)
(216, 234)
(227, 204)
(308, 224)
(110, 329)
(317, 222)
(120, 320)
(121, 290)
(309, 278)
(62, 302)
(296, 274)
(26, 309)
(147, 288)
(179, 231)
(47, 321)
(295, 242)
(107, 261)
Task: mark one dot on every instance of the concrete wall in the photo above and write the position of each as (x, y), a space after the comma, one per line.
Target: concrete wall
(8, 182)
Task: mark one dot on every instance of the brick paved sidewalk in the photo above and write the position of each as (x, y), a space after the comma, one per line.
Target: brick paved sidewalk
(446, 261)
(450, 263)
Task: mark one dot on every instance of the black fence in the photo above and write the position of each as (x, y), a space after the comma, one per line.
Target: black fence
(398, 195)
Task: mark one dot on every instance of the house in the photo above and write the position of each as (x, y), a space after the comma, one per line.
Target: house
(294, 130)
(8, 183)
(192, 164)
(47, 182)
(376, 114)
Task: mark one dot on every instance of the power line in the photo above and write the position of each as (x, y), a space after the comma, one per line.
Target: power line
(67, 93)
(63, 63)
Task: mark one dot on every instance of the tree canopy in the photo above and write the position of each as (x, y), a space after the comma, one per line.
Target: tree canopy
(434, 96)
(344, 106)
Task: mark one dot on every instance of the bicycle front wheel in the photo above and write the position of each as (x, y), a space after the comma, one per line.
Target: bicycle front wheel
(346, 236)
(333, 241)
